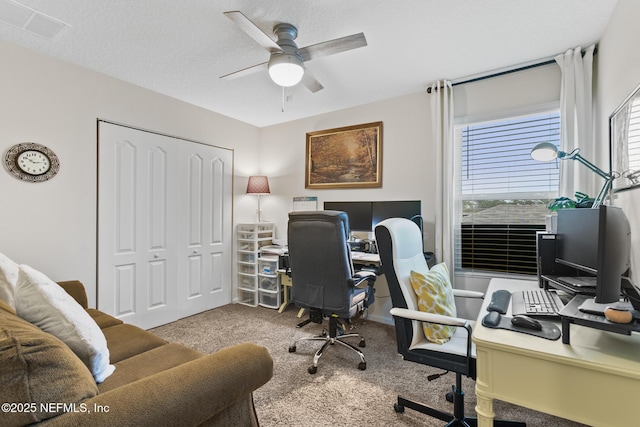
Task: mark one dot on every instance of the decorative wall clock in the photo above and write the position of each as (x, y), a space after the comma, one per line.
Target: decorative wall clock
(31, 162)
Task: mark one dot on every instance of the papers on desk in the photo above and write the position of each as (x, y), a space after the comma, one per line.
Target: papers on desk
(305, 204)
(273, 250)
(365, 256)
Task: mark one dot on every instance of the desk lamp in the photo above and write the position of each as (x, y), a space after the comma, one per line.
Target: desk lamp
(258, 185)
(546, 151)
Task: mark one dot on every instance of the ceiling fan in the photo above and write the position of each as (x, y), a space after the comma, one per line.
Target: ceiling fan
(285, 65)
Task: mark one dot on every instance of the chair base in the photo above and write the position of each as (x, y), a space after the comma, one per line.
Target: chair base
(457, 419)
(452, 421)
(331, 339)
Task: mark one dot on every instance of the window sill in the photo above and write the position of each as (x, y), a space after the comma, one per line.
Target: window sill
(467, 274)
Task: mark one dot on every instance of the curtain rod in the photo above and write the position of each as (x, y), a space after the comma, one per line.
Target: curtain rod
(499, 73)
(512, 70)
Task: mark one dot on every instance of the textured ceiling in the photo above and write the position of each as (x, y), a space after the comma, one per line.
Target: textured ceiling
(181, 47)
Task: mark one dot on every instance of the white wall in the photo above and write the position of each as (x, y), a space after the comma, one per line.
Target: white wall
(618, 74)
(52, 225)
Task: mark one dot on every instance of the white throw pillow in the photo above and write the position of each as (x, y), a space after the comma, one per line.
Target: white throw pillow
(44, 303)
(8, 280)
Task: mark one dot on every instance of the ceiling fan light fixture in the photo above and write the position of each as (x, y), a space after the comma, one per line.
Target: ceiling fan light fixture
(285, 69)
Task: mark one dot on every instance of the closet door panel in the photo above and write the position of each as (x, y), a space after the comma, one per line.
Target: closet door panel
(208, 200)
(194, 276)
(136, 226)
(157, 285)
(217, 273)
(125, 197)
(125, 288)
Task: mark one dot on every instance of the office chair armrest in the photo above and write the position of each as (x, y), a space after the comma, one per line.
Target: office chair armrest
(364, 274)
(428, 317)
(361, 277)
(467, 294)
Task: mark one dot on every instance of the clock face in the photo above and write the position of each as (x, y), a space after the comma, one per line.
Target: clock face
(31, 162)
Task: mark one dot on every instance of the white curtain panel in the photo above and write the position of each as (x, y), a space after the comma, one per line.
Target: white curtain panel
(576, 112)
(442, 126)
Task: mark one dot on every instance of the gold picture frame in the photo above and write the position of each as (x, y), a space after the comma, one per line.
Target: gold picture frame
(346, 157)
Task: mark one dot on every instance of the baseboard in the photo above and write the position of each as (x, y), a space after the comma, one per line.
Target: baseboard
(386, 320)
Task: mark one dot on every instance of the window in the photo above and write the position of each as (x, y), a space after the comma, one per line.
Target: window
(503, 193)
(634, 136)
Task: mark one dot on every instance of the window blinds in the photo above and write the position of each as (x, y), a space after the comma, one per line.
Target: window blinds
(496, 158)
(503, 192)
(634, 136)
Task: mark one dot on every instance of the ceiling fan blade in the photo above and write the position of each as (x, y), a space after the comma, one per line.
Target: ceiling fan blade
(246, 71)
(331, 47)
(253, 31)
(311, 82)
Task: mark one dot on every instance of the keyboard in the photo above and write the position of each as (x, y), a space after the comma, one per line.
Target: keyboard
(538, 302)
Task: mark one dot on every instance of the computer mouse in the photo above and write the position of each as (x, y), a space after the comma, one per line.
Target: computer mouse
(526, 322)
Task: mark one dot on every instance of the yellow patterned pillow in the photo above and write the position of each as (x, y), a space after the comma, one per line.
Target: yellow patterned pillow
(435, 295)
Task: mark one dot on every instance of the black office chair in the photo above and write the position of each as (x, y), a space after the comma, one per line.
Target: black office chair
(323, 278)
(400, 247)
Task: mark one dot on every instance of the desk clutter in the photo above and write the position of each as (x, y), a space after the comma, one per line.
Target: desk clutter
(528, 306)
(573, 313)
(522, 324)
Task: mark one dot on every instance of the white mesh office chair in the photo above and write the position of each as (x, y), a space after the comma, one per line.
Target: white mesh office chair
(400, 247)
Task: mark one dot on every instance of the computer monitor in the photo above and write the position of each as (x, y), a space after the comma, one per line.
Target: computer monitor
(597, 241)
(359, 213)
(409, 209)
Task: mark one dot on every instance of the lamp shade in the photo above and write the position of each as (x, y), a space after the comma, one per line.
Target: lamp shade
(285, 69)
(258, 184)
(544, 152)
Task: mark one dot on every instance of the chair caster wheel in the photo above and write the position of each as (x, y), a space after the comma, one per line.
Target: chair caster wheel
(312, 369)
(398, 408)
(362, 343)
(362, 366)
(292, 349)
(449, 397)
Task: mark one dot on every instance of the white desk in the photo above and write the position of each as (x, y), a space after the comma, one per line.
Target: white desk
(595, 380)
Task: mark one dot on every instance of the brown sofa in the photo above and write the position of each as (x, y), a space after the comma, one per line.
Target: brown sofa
(155, 383)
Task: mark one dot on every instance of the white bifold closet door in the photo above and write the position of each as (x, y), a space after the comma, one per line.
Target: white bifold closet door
(164, 226)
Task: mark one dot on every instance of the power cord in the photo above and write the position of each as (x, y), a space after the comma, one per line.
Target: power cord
(436, 376)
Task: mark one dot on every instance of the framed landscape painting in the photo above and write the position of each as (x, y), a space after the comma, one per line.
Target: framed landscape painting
(347, 157)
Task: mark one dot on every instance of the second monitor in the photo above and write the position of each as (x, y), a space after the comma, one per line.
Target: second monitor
(364, 216)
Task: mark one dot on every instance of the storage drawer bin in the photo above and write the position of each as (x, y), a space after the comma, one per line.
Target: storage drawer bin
(246, 268)
(246, 257)
(247, 297)
(270, 299)
(244, 245)
(268, 282)
(267, 265)
(246, 228)
(247, 281)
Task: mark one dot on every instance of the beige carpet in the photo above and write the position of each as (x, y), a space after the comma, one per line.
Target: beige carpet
(338, 394)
